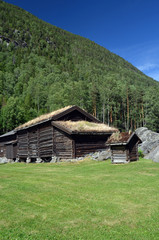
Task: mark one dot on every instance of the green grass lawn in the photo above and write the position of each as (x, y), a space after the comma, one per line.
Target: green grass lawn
(86, 200)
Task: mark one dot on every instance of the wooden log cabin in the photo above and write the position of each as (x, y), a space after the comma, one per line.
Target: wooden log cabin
(8, 145)
(67, 133)
(124, 147)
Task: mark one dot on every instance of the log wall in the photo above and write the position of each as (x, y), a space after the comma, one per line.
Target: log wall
(89, 144)
(63, 144)
(3, 145)
(2, 150)
(45, 141)
(125, 153)
(33, 143)
(133, 153)
(75, 116)
(133, 149)
(15, 148)
(11, 151)
(119, 154)
(23, 150)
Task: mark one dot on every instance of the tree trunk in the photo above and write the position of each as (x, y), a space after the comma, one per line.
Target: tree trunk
(103, 112)
(108, 114)
(111, 115)
(142, 114)
(127, 111)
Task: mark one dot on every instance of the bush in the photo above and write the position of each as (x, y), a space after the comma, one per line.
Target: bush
(140, 153)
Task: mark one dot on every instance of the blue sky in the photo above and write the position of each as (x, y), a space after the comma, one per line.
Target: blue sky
(128, 28)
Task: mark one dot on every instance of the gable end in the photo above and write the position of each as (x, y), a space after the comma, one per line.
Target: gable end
(75, 114)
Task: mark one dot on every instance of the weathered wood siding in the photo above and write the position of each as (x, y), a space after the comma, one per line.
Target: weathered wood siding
(119, 154)
(2, 150)
(63, 144)
(3, 144)
(88, 144)
(125, 153)
(45, 141)
(33, 143)
(15, 149)
(133, 153)
(74, 116)
(11, 151)
(23, 149)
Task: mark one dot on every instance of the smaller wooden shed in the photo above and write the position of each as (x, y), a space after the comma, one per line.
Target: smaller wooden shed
(8, 145)
(124, 147)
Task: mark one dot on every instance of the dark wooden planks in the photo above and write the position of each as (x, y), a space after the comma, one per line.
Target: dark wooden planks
(33, 143)
(89, 143)
(75, 114)
(2, 150)
(63, 146)
(134, 153)
(126, 152)
(45, 141)
(3, 146)
(22, 145)
(119, 154)
(83, 148)
(9, 151)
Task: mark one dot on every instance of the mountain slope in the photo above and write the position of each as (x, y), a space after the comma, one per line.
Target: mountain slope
(43, 67)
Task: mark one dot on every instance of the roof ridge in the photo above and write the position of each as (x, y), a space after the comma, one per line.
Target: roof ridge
(43, 117)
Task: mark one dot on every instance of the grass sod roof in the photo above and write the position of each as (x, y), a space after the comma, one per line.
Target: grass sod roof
(42, 118)
(54, 116)
(118, 137)
(84, 127)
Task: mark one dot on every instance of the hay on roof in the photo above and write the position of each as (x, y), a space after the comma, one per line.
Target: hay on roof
(84, 126)
(43, 117)
(118, 137)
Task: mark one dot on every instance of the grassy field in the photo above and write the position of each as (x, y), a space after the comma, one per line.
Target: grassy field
(86, 200)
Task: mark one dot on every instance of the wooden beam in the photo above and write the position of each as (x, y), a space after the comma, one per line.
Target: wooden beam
(61, 127)
(73, 149)
(88, 115)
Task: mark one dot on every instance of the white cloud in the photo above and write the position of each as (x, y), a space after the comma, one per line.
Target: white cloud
(147, 66)
(154, 75)
(144, 56)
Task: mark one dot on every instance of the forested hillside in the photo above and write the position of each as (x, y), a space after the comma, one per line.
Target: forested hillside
(43, 68)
